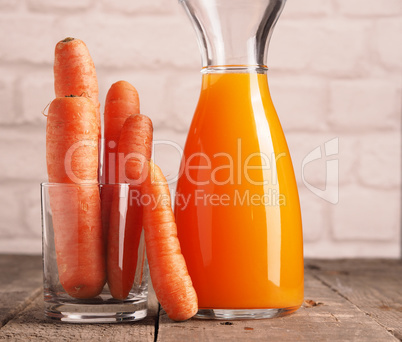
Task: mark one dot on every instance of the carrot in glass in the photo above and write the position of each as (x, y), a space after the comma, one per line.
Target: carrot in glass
(134, 151)
(72, 159)
(121, 101)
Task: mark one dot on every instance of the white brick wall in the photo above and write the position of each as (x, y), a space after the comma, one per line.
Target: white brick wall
(369, 8)
(335, 72)
(365, 104)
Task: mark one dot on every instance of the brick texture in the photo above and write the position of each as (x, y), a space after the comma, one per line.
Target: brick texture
(139, 6)
(335, 73)
(313, 216)
(379, 165)
(23, 154)
(342, 48)
(7, 93)
(385, 43)
(310, 8)
(308, 108)
(292, 45)
(54, 6)
(35, 91)
(27, 38)
(379, 217)
(370, 8)
(365, 104)
(10, 210)
(8, 4)
(182, 99)
(31, 208)
(142, 42)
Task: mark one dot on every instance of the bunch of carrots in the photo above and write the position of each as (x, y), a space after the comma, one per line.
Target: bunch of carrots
(86, 217)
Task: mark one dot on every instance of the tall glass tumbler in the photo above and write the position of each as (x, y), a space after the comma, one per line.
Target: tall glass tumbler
(94, 265)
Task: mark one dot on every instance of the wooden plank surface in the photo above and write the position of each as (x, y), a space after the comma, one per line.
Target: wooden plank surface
(22, 310)
(374, 287)
(31, 325)
(358, 300)
(20, 283)
(333, 319)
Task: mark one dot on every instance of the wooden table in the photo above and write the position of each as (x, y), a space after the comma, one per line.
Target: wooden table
(346, 300)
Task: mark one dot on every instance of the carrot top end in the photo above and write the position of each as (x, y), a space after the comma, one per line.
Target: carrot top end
(67, 39)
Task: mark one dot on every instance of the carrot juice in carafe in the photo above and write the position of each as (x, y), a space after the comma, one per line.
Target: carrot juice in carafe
(237, 206)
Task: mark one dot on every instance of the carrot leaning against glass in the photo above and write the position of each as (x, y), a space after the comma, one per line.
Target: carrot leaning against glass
(169, 274)
(134, 151)
(72, 159)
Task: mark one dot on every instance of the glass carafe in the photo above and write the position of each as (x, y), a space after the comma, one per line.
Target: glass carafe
(237, 206)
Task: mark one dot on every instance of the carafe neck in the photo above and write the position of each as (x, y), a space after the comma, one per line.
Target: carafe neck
(233, 35)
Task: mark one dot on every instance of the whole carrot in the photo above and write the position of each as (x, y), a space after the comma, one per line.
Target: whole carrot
(121, 102)
(72, 159)
(134, 151)
(170, 278)
(75, 74)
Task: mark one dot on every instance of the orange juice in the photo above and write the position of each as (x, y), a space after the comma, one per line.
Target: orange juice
(237, 207)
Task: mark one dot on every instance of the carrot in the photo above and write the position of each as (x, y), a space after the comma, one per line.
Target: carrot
(72, 159)
(75, 74)
(121, 102)
(134, 149)
(170, 278)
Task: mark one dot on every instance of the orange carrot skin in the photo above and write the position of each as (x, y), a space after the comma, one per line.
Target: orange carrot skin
(121, 101)
(72, 141)
(122, 245)
(78, 239)
(135, 149)
(136, 141)
(169, 274)
(74, 72)
(71, 121)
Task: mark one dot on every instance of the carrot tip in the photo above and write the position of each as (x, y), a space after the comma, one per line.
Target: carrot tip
(68, 39)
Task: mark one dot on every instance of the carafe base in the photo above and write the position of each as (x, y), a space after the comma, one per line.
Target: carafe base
(242, 314)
